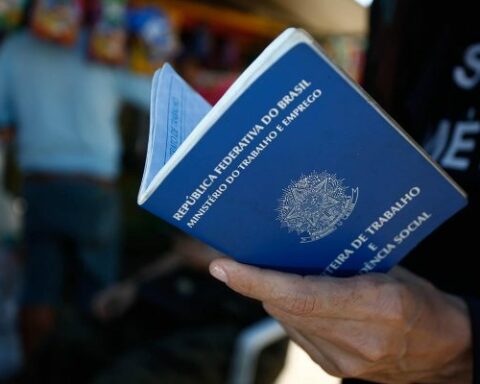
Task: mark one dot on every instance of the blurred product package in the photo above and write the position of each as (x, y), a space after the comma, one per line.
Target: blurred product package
(57, 20)
(108, 39)
(11, 13)
(153, 38)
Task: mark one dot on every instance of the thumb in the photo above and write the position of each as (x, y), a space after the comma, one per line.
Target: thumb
(277, 288)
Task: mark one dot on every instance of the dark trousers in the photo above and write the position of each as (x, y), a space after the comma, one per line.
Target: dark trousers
(71, 238)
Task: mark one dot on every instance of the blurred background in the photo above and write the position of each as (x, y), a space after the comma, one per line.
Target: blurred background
(74, 115)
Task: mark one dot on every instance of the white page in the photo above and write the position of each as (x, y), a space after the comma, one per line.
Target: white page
(176, 109)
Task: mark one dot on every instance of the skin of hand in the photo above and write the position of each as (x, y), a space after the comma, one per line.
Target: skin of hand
(387, 328)
(114, 301)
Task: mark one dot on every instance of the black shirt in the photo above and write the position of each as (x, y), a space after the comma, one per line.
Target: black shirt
(423, 67)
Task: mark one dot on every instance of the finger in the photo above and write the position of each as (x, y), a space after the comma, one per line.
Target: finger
(355, 297)
(407, 277)
(260, 284)
(333, 359)
(342, 363)
(295, 293)
(369, 340)
(314, 351)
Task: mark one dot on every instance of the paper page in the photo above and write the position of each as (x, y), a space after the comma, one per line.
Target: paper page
(175, 111)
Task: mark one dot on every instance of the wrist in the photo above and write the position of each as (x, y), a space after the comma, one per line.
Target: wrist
(457, 366)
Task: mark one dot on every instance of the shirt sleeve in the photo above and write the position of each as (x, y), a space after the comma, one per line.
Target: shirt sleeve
(474, 309)
(135, 88)
(6, 118)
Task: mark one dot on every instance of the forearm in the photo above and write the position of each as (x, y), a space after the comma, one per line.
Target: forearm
(158, 268)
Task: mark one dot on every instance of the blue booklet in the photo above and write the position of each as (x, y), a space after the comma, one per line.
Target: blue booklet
(295, 168)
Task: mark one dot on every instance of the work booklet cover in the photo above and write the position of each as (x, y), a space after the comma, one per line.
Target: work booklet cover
(301, 172)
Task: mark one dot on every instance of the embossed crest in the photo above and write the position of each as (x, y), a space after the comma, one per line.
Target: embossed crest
(316, 205)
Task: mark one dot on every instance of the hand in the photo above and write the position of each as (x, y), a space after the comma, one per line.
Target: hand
(389, 328)
(114, 301)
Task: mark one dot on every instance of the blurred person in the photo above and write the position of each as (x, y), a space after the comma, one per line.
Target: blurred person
(170, 322)
(10, 351)
(421, 324)
(9, 221)
(10, 356)
(64, 109)
(200, 321)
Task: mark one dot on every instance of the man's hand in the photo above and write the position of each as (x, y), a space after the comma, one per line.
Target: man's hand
(389, 328)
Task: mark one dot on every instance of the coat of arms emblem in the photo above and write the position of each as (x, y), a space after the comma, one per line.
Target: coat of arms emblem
(316, 205)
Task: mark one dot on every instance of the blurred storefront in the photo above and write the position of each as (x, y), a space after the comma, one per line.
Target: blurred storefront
(243, 28)
(210, 43)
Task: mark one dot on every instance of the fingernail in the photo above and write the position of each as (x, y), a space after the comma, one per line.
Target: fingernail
(218, 273)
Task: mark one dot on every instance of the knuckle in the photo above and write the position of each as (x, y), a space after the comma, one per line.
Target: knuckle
(375, 352)
(301, 304)
(371, 348)
(373, 283)
(346, 368)
(301, 300)
(388, 298)
(394, 303)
